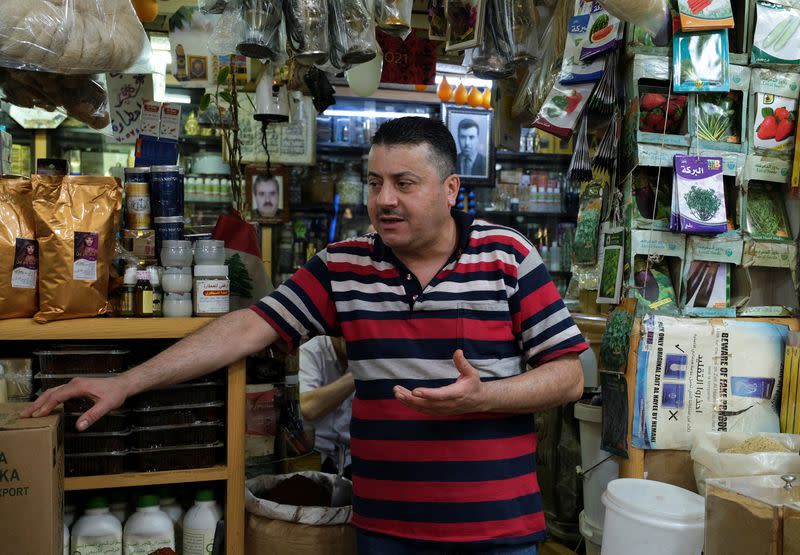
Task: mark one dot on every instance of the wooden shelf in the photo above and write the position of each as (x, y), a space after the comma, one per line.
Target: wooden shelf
(136, 479)
(533, 158)
(25, 329)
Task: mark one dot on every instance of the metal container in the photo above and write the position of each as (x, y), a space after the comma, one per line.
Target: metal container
(137, 198)
(166, 192)
(168, 228)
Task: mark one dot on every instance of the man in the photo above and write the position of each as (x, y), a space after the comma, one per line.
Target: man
(442, 316)
(265, 195)
(326, 398)
(470, 161)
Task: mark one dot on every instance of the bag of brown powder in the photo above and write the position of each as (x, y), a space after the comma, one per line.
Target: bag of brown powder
(76, 220)
(19, 257)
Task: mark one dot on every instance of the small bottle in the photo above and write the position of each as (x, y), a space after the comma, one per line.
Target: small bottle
(200, 524)
(143, 302)
(97, 531)
(158, 294)
(148, 529)
(555, 257)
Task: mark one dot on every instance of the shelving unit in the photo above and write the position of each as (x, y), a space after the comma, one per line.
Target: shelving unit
(232, 472)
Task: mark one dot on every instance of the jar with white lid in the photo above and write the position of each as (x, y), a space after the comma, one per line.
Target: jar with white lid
(212, 290)
(177, 305)
(177, 279)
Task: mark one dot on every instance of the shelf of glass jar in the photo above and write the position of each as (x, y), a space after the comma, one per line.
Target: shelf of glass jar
(207, 188)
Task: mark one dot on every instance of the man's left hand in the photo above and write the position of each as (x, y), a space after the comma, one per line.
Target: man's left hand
(463, 396)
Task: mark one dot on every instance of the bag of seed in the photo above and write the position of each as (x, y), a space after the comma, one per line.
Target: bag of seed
(19, 252)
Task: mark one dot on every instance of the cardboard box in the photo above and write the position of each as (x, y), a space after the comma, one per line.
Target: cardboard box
(766, 282)
(31, 482)
(670, 466)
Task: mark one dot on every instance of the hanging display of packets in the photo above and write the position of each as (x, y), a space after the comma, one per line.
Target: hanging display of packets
(584, 248)
(573, 69)
(701, 62)
(560, 112)
(307, 30)
(351, 31)
(493, 58)
(698, 195)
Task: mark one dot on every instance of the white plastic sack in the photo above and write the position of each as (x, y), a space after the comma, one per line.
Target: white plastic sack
(318, 516)
(710, 460)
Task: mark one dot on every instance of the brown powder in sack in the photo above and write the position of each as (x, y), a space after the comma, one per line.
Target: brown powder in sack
(758, 444)
(19, 258)
(76, 221)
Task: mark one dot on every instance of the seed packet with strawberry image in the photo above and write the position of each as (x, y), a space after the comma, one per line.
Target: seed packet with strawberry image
(662, 113)
(561, 110)
(603, 34)
(775, 122)
(698, 15)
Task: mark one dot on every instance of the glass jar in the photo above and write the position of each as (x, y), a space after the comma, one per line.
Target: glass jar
(143, 295)
(212, 290)
(349, 187)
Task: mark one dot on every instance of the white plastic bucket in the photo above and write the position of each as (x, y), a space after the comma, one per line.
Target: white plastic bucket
(601, 468)
(593, 536)
(644, 516)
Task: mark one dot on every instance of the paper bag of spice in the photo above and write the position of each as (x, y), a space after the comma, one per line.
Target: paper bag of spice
(76, 220)
(19, 260)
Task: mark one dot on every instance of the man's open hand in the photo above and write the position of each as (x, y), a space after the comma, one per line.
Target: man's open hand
(463, 396)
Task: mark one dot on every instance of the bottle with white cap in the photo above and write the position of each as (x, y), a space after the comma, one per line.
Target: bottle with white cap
(200, 524)
(148, 529)
(97, 531)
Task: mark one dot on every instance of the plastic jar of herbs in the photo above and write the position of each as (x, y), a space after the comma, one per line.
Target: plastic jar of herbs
(212, 290)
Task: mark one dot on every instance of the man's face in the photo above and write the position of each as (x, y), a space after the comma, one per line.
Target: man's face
(266, 196)
(468, 141)
(408, 204)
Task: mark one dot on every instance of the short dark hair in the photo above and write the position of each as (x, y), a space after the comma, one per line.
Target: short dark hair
(415, 130)
(466, 123)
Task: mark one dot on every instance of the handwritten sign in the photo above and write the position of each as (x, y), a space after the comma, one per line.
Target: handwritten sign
(126, 95)
(294, 142)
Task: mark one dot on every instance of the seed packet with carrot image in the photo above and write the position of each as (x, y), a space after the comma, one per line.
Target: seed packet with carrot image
(705, 15)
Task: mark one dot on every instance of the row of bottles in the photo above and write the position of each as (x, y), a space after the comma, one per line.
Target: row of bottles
(157, 523)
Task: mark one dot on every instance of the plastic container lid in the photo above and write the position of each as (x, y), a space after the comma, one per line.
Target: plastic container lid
(150, 500)
(588, 412)
(176, 244)
(174, 297)
(165, 168)
(656, 499)
(215, 270)
(97, 502)
(204, 495)
(169, 270)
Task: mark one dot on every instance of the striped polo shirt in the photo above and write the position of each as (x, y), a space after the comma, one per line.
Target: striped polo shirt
(465, 481)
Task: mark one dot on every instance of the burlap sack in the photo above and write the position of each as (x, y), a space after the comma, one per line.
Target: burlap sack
(76, 222)
(19, 257)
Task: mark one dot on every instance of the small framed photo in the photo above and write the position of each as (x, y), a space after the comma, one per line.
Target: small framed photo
(266, 193)
(472, 130)
(464, 23)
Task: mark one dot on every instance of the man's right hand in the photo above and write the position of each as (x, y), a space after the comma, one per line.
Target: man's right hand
(107, 394)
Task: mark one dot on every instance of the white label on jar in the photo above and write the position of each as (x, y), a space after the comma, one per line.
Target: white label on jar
(96, 545)
(196, 541)
(144, 545)
(212, 296)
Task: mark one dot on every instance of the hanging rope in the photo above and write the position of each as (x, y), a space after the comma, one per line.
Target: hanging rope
(266, 146)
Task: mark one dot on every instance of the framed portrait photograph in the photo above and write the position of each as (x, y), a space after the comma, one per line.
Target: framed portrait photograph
(266, 194)
(472, 130)
(464, 23)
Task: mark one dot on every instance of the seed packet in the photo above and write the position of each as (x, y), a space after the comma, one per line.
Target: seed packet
(560, 112)
(573, 69)
(701, 62)
(660, 113)
(708, 285)
(603, 33)
(699, 192)
(653, 284)
(697, 15)
(775, 121)
(765, 212)
(584, 246)
(718, 117)
(610, 286)
(776, 38)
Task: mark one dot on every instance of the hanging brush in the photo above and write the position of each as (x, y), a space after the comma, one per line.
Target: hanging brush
(580, 167)
(606, 156)
(605, 93)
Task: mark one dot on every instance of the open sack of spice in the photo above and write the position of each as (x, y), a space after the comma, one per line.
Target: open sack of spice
(83, 97)
(75, 37)
(698, 195)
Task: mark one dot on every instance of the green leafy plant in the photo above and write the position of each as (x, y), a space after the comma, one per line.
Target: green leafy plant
(615, 343)
(703, 203)
(608, 279)
(765, 213)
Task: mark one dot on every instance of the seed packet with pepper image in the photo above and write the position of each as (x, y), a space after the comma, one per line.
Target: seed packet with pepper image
(603, 33)
(561, 110)
(662, 113)
(701, 62)
(700, 195)
(775, 121)
(698, 15)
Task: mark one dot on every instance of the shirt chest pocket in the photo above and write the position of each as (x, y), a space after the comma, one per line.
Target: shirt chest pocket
(485, 333)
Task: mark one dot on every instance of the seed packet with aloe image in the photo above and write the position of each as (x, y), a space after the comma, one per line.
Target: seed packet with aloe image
(718, 117)
(765, 212)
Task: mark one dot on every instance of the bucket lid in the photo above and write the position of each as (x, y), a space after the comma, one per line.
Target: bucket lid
(585, 410)
(649, 497)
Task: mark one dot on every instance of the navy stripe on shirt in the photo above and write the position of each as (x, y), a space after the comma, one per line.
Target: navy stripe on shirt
(445, 471)
(437, 430)
(448, 512)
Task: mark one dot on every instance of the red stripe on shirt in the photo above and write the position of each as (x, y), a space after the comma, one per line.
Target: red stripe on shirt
(362, 270)
(501, 240)
(443, 451)
(392, 409)
(281, 332)
(579, 348)
(429, 328)
(462, 532)
(540, 299)
(484, 266)
(318, 294)
(447, 492)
